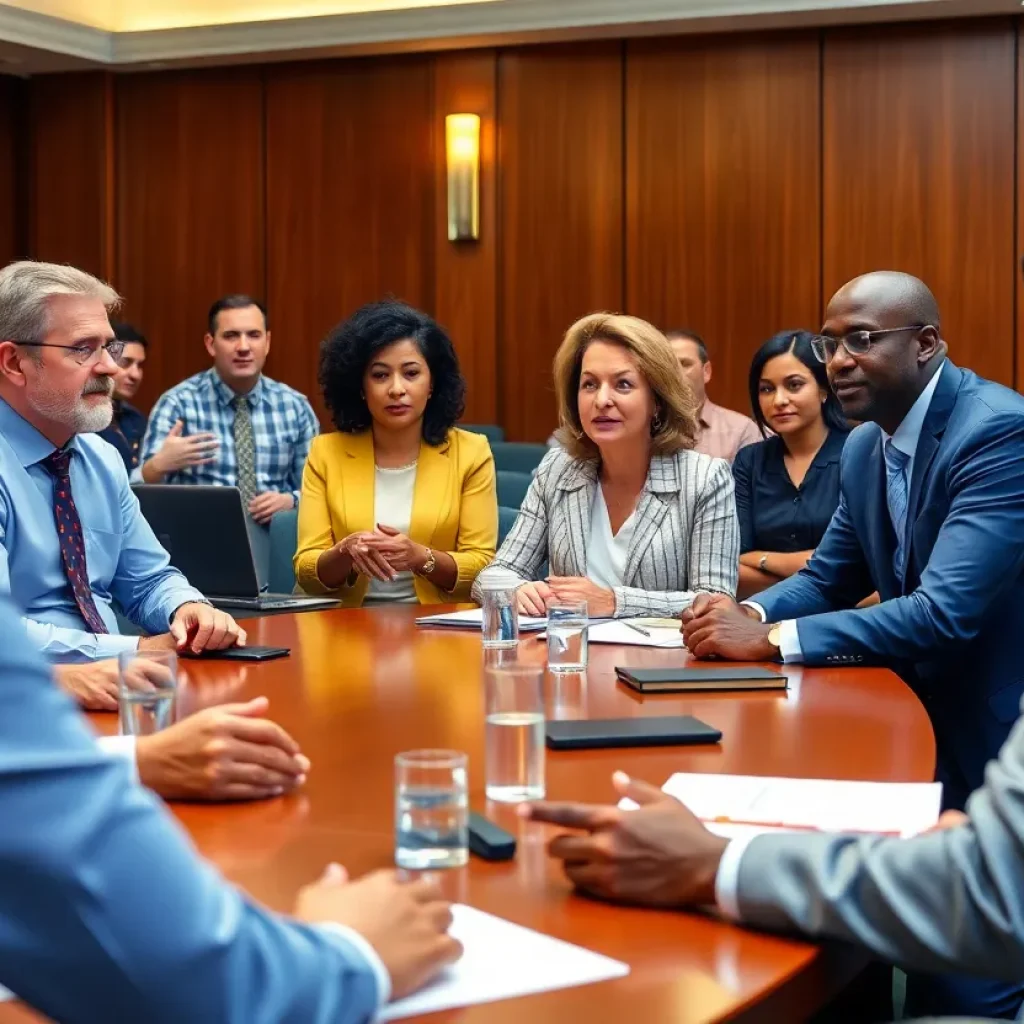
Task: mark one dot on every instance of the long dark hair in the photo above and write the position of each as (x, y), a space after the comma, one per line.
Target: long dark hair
(797, 343)
(347, 350)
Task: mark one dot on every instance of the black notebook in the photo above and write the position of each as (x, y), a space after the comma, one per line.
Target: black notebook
(676, 680)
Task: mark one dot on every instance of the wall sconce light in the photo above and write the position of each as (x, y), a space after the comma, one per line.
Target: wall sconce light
(462, 145)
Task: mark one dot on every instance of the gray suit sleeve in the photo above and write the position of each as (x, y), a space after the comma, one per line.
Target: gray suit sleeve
(950, 900)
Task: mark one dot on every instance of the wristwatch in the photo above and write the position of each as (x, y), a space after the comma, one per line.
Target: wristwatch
(762, 563)
(429, 565)
(775, 636)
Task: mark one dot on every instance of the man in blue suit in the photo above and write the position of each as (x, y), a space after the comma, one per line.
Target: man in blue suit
(931, 515)
(107, 913)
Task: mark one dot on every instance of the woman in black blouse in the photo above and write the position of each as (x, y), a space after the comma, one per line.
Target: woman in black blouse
(787, 486)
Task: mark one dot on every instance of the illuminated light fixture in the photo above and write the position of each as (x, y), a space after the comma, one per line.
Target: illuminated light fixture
(462, 146)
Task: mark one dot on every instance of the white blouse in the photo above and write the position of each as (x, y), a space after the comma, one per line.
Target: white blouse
(392, 506)
(607, 552)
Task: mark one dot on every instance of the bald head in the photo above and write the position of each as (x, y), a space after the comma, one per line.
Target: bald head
(888, 324)
(888, 297)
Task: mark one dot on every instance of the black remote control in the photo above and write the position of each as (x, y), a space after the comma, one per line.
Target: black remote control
(489, 841)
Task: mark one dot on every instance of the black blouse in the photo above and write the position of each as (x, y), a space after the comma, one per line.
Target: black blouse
(776, 516)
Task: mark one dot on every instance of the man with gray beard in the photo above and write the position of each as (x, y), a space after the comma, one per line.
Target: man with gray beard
(73, 542)
(72, 538)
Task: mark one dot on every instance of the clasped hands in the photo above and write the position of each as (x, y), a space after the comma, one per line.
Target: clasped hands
(715, 626)
(383, 553)
(535, 598)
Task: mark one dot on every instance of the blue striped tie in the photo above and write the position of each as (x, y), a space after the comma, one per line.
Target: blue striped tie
(896, 495)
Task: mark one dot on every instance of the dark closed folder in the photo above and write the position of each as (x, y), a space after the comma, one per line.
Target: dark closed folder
(680, 680)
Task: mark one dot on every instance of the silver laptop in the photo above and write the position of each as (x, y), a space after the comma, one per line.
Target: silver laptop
(215, 543)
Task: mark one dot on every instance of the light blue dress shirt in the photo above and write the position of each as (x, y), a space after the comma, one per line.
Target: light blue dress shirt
(905, 438)
(107, 912)
(125, 560)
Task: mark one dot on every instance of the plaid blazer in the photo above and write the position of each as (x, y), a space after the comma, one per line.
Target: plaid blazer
(686, 540)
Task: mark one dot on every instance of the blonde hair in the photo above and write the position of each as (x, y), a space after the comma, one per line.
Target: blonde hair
(675, 419)
(26, 286)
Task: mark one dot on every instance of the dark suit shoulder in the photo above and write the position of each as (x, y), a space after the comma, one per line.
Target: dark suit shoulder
(861, 442)
(979, 397)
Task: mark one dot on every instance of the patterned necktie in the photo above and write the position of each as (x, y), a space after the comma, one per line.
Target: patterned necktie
(245, 449)
(72, 544)
(896, 495)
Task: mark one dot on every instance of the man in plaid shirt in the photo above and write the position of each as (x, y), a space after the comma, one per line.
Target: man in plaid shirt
(230, 425)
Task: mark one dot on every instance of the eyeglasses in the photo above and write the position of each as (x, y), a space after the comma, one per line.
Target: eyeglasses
(82, 354)
(856, 342)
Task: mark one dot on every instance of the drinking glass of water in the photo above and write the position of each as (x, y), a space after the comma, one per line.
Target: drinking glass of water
(147, 683)
(567, 637)
(431, 810)
(515, 732)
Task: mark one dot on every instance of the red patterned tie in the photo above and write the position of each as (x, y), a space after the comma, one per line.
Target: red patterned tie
(72, 544)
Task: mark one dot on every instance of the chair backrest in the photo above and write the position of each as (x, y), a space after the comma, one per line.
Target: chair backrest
(512, 487)
(520, 458)
(506, 517)
(284, 539)
(490, 430)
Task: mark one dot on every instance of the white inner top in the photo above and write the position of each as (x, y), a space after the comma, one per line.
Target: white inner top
(606, 552)
(392, 506)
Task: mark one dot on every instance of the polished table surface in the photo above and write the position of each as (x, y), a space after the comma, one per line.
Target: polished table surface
(361, 686)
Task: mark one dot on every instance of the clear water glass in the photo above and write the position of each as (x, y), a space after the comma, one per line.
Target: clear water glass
(147, 683)
(499, 612)
(431, 810)
(567, 637)
(514, 733)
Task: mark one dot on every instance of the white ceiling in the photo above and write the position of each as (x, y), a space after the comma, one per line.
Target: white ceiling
(46, 35)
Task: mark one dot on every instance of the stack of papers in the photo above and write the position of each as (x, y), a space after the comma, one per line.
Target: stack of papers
(637, 634)
(503, 960)
(735, 805)
(474, 619)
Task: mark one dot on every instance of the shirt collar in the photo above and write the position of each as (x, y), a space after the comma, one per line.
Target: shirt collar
(226, 395)
(908, 433)
(28, 444)
(707, 409)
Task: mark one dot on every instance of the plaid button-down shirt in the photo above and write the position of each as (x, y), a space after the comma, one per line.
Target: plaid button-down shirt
(283, 424)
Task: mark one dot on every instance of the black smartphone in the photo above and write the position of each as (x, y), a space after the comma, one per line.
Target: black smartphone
(244, 654)
(670, 730)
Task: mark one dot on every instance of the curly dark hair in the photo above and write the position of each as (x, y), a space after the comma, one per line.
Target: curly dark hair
(348, 349)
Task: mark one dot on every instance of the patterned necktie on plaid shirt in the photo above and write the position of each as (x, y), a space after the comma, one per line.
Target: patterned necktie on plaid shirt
(72, 543)
(245, 449)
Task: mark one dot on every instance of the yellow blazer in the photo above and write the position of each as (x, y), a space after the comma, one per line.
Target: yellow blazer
(454, 508)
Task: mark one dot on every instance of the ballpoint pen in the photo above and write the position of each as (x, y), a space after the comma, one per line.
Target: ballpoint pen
(638, 629)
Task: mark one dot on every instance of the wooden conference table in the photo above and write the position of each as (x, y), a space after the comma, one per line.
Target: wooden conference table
(361, 686)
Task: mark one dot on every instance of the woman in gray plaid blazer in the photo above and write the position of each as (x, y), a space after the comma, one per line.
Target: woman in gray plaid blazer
(625, 514)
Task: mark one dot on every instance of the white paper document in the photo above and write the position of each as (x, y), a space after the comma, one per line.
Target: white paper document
(735, 805)
(474, 619)
(503, 960)
(616, 631)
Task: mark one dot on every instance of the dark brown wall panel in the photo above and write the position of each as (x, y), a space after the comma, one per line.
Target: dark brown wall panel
(13, 229)
(350, 196)
(561, 213)
(70, 171)
(190, 200)
(723, 191)
(919, 172)
(465, 298)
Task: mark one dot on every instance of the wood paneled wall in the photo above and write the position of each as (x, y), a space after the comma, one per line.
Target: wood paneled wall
(728, 184)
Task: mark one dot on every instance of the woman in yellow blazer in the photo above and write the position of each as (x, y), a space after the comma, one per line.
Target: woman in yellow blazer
(398, 506)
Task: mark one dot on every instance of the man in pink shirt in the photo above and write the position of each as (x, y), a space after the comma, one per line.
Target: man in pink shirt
(722, 432)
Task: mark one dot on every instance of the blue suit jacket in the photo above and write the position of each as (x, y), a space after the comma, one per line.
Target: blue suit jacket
(106, 911)
(955, 627)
